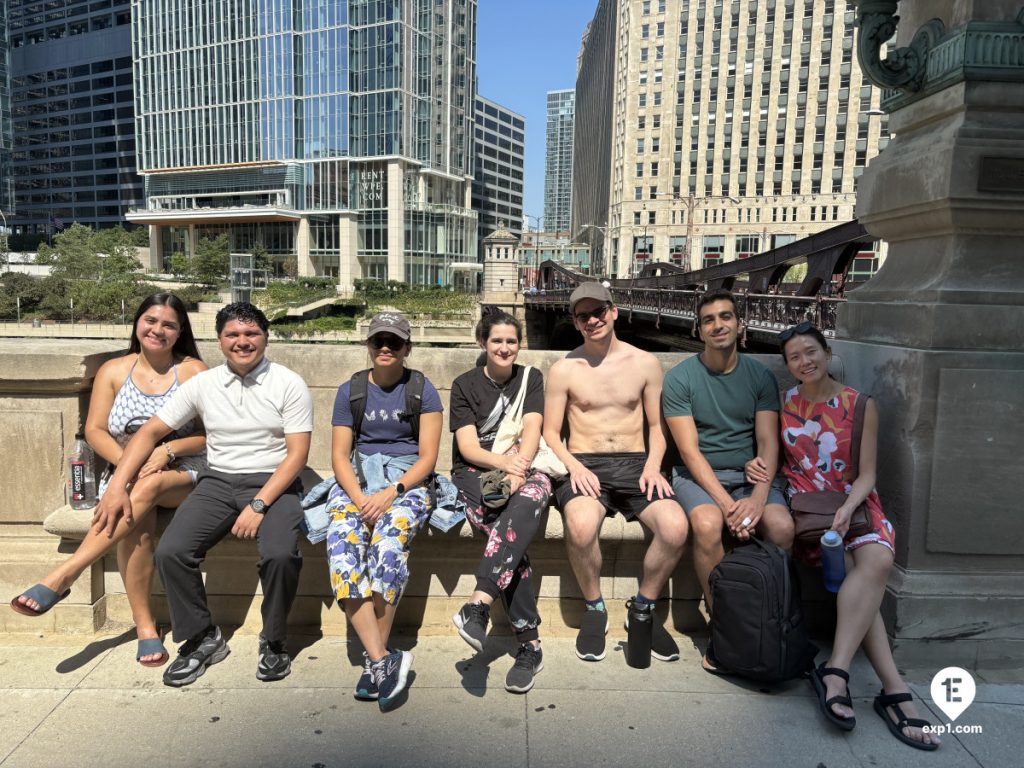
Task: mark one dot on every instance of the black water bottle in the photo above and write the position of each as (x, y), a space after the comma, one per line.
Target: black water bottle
(638, 639)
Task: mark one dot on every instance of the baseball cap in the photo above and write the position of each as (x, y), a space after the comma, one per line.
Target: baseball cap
(390, 322)
(589, 290)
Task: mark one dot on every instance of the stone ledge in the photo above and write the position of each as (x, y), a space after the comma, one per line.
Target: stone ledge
(71, 523)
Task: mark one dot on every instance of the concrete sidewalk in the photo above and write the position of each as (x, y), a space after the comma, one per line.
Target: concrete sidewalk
(70, 703)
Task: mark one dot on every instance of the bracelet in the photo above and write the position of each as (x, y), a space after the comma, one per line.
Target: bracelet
(170, 452)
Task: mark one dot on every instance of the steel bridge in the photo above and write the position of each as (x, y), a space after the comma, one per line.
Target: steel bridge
(661, 300)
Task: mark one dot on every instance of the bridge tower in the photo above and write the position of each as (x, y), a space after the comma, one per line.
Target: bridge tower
(501, 267)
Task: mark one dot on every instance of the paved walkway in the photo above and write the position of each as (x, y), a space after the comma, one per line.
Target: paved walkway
(69, 703)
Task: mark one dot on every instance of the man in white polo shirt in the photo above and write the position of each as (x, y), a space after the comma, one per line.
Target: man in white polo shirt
(258, 417)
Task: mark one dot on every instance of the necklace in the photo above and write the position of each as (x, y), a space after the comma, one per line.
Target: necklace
(501, 386)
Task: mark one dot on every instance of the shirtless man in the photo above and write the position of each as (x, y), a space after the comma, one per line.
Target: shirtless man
(606, 388)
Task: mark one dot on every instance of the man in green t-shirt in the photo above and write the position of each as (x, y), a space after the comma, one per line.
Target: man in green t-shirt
(722, 409)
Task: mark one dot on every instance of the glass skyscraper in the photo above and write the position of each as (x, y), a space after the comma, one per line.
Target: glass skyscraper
(499, 146)
(558, 160)
(335, 132)
(73, 154)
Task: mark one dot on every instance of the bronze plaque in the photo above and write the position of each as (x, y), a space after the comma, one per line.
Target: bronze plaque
(1002, 174)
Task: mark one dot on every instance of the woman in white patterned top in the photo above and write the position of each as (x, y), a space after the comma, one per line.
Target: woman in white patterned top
(126, 391)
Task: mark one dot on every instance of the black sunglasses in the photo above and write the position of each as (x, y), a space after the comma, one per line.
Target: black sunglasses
(789, 333)
(596, 314)
(381, 340)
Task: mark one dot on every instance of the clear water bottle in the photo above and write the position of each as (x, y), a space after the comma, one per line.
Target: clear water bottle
(81, 475)
(833, 560)
(638, 634)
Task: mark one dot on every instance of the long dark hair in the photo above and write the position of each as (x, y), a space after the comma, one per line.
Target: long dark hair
(185, 346)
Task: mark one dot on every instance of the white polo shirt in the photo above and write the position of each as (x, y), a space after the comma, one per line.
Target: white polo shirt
(245, 419)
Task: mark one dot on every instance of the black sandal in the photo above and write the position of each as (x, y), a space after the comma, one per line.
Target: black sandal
(818, 681)
(892, 701)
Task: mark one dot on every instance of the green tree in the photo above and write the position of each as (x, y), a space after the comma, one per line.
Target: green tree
(211, 261)
(181, 265)
(73, 254)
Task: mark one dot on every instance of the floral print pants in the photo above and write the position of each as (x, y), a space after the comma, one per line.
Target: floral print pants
(363, 560)
(504, 570)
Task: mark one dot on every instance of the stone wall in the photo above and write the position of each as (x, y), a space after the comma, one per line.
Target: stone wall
(44, 386)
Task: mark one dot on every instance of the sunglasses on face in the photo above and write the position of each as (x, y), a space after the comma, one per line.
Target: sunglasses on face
(789, 333)
(381, 340)
(596, 314)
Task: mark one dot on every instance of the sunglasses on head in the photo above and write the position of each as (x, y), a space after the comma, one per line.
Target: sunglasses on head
(381, 340)
(596, 314)
(789, 333)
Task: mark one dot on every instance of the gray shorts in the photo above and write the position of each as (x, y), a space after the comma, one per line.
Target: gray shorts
(690, 495)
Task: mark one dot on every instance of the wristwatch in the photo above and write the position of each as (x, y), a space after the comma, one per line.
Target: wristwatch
(259, 506)
(400, 488)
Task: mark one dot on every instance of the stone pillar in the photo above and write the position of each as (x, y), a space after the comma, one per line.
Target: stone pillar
(305, 263)
(936, 336)
(396, 221)
(348, 247)
(156, 251)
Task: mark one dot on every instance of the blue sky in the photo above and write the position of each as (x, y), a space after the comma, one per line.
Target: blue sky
(525, 48)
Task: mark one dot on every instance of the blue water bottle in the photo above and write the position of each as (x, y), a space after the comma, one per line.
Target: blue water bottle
(833, 561)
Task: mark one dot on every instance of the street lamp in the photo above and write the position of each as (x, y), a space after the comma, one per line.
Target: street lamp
(535, 242)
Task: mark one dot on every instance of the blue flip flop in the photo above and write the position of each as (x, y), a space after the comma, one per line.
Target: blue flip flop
(43, 595)
(148, 647)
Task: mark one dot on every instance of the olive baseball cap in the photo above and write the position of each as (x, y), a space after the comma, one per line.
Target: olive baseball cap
(589, 290)
(390, 322)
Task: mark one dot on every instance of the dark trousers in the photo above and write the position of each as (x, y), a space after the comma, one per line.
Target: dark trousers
(504, 571)
(206, 517)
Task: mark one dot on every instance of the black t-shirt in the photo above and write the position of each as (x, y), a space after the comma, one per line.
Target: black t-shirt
(479, 401)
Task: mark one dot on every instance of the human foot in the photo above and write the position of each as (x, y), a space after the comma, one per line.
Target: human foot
(837, 707)
(151, 651)
(900, 715)
(36, 601)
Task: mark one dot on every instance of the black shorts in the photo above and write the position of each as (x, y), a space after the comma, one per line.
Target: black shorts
(619, 474)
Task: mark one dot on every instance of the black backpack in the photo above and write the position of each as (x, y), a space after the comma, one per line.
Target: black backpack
(757, 628)
(413, 407)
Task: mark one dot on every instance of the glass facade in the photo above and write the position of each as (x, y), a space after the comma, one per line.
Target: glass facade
(499, 149)
(346, 123)
(6, 135)
(73, 154)
(558, 160)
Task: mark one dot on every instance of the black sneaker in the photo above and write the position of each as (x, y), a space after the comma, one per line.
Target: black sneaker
(390, 675)
(274, 663)
(590, 640)
(529, 661)
(366, 688)
(663, 647)
(194, 656)
(472, 621)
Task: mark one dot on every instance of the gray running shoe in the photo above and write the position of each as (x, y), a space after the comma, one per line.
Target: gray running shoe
(471, 621)
(391, 674)
(529, 661)
(194, 656)
(274, 661)
(590, 640)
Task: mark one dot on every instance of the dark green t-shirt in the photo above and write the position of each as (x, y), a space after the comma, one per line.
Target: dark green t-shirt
(723, 406)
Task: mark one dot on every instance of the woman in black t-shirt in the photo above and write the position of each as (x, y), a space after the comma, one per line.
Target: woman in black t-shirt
(480, 400)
